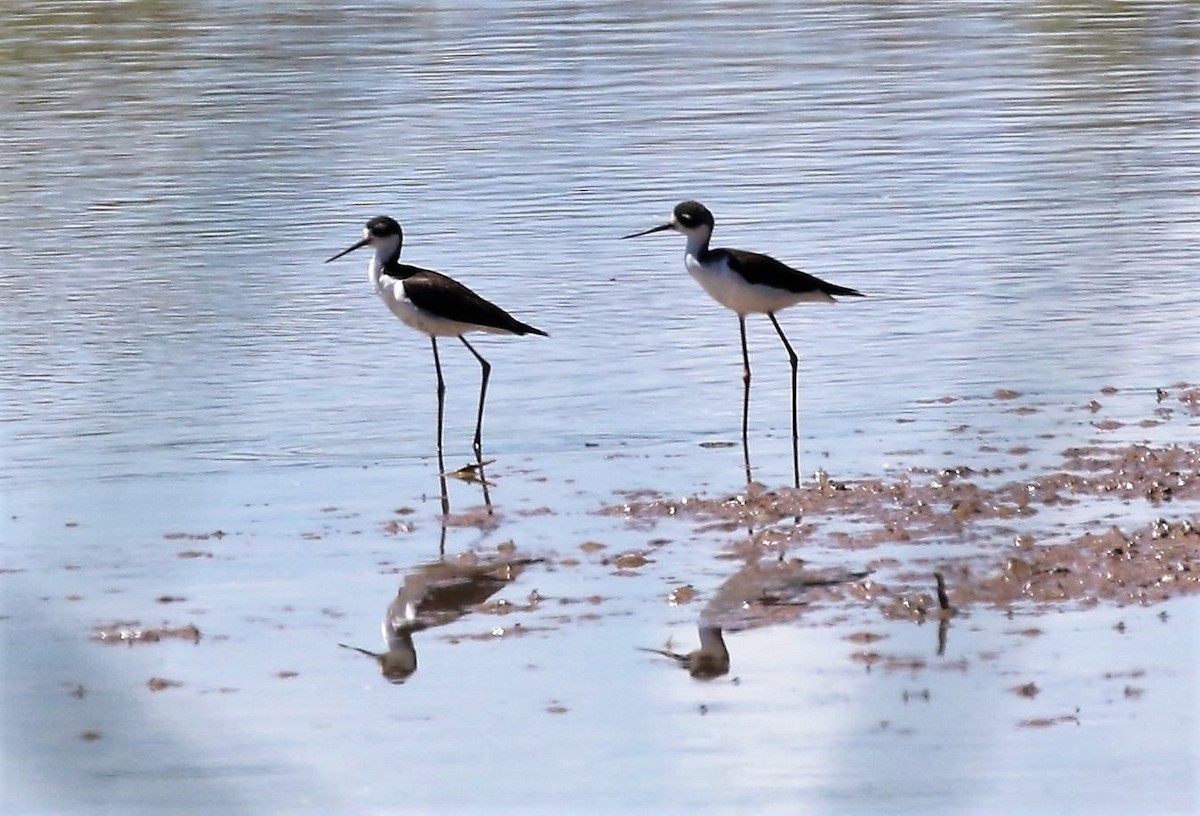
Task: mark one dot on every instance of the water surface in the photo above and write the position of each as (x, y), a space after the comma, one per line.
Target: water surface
(1015, 186)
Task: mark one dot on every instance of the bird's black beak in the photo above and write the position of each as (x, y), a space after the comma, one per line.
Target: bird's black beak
(347, 251)
(659, 228)
(366, 652)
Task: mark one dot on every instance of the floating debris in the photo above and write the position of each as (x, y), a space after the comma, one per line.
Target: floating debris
(218, 534)
(1029, 689)
(472, 472)
(630, 560)
(133, 632)
(1046, 722)
(682, 595)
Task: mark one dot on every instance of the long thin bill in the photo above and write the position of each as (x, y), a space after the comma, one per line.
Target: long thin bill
(367, 652)
(348, 250)
(659, 228)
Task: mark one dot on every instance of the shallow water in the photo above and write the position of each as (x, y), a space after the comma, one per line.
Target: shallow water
(1014, 186)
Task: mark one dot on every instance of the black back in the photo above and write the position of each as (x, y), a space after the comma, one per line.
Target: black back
(765, 270)
(445, 297)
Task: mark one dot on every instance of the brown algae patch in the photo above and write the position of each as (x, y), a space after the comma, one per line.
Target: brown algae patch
(1191, 400)
(1146, 565)
(926, 497)
(628, 561)
(996, 538)
(1029, 689)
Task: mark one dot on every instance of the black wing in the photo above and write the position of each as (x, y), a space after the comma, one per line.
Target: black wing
(446, 297)
(765, 270)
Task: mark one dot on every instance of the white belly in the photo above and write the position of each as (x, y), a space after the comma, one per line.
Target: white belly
(733, 292)
(391, 292)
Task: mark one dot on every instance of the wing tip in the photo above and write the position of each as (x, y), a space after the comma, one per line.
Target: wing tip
(523, 329)
(844, 291)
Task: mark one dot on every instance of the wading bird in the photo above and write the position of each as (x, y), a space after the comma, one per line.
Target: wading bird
(748, 283)
(435, 305)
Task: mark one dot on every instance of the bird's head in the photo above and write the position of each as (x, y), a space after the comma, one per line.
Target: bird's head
(691, 218)
(381, 233)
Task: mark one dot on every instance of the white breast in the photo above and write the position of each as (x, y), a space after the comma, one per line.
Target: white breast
(732, 291)
(391, 292)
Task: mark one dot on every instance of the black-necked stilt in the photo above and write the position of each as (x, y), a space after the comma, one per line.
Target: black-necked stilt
(748, 283)
(436, 594)
(435, 305)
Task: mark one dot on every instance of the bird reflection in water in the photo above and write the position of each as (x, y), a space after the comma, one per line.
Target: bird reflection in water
(761, 593)
(436, 594)
(709, 661)
(480, 518)
(945, 612)
(471, 473)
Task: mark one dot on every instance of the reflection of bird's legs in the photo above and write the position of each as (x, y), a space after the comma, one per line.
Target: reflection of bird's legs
(945, 613)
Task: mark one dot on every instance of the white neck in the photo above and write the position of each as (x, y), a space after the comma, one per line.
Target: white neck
(375, 267)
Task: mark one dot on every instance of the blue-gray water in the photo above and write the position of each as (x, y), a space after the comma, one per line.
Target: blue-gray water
(1016, 186)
